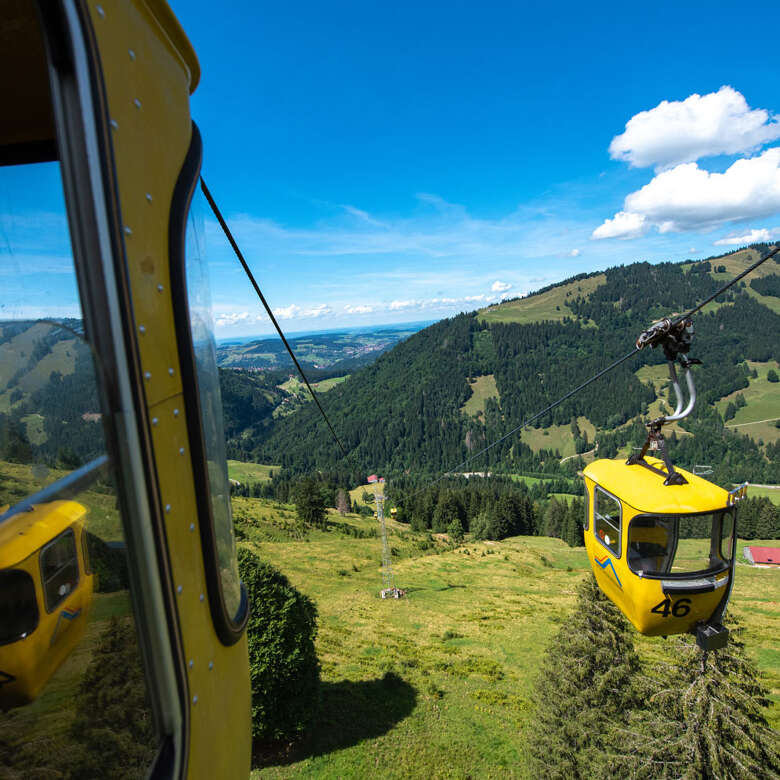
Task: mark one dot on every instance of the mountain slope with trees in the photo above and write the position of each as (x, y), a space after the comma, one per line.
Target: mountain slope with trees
(404, 413)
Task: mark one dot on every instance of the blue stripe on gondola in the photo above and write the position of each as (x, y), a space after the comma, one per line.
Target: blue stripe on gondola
(608, 562)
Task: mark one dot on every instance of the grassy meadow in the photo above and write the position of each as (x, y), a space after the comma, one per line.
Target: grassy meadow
(440, 683)
(250, 472)
(550, 305)
(756, 419)
(482, 388)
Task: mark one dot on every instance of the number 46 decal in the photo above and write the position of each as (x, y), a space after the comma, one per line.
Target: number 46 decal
(679, 609)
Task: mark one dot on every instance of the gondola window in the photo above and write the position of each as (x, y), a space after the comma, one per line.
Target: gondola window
(18, 608)
(59, 569)
(606, 520)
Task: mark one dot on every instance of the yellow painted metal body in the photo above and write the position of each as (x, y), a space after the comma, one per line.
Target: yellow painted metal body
(33, 659)
(642, 492)
(149, 70)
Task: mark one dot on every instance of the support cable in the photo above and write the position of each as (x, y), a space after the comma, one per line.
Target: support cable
(668, 324)
(726, 286)
(527, 422)
(248, 272)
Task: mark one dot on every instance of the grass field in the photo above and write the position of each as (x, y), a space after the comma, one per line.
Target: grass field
(738, 262)
(462, 650)
(356, 494)
(550, 305)
(756, 419)
(438, 684)
(294, 385)
(482, 388)
(557, 437)
(250, 472)
(773, 494)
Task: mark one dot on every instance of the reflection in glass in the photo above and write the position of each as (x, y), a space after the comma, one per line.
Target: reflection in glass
(606, 520)
(204, 346)
(71, 679)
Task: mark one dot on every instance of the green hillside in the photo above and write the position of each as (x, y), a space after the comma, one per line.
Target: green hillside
(462, 649)
(437, 397)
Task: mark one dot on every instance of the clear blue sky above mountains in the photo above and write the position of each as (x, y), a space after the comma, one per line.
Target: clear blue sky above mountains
(405, 161)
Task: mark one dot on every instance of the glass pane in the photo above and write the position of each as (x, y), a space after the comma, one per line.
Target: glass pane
(726, 530)
(59, 569)
(71, 679)
(211, 405)
(18, 608)
(681, 544)
(606, 520)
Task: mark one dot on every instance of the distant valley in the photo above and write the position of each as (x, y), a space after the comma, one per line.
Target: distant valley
(337, 351)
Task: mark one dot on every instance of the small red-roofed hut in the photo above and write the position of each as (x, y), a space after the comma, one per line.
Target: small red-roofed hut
(763, 555)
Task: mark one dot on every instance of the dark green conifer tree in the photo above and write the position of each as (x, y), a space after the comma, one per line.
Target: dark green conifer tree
(586, 686)
(705, 719)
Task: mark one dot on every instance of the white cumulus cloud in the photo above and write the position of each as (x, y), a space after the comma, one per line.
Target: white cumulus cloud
(359, 309)
(575, 253)
(321, 310)
(754, 236)
(288, 312)
(681, 131)
(228, 319)
(500, 286)
(401, 305)
(624, 224)
(688, 197)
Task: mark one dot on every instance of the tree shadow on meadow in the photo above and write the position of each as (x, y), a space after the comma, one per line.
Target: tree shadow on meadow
(350, 712)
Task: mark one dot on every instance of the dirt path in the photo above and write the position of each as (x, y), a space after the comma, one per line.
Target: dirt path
(755, 422)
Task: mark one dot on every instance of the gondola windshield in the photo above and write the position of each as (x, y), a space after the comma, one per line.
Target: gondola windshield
(653, 549)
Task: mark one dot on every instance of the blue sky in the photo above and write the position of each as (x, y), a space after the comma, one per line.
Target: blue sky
(387, 163)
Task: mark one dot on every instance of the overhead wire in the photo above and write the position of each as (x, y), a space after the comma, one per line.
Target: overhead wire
(592, 379)
(248, 272)
(525, 423)
(726, 286)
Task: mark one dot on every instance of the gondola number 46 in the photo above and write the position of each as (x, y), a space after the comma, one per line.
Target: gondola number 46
(679, 609)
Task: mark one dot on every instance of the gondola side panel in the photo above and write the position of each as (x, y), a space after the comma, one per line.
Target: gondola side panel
(149, 71)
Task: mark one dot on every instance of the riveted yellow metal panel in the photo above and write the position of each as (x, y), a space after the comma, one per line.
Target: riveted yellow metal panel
(218, 676)
(148, 79)
(147, 88)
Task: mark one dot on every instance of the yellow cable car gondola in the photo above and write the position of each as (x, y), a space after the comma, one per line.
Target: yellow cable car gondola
(662, 541)
(45, 595)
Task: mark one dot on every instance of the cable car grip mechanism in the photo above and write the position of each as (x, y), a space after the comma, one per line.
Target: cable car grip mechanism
(675, 337)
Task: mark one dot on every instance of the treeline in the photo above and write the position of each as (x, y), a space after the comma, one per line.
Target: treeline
(403, 413)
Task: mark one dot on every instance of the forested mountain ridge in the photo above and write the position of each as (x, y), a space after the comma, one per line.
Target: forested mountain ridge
(405, 412)
(439, 396)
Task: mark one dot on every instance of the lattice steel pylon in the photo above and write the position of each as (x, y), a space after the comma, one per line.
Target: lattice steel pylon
(387, 563)
(389, 590)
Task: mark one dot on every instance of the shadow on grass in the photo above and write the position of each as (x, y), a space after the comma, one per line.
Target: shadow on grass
(350, 712)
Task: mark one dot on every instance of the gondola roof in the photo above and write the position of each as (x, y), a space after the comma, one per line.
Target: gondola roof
(22, 534)
(645, 491)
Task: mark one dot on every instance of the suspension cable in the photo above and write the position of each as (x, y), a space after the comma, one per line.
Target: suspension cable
(527, 422)
(248, 272)
(726, 286)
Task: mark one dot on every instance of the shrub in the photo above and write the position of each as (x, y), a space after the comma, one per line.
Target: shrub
(284, 670)
(771, 375)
